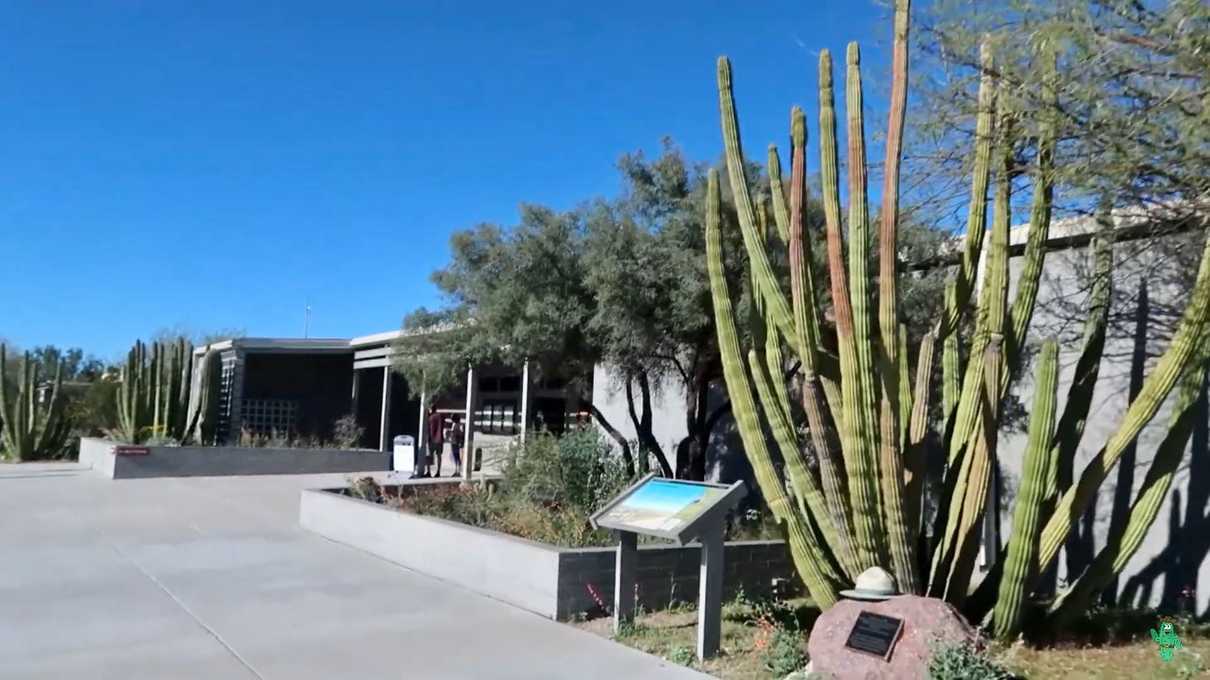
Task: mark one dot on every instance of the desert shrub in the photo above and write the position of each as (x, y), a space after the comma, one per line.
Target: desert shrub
(578, 469)
(782, 654)
(964, 661)
(548, 489)
(346, 433)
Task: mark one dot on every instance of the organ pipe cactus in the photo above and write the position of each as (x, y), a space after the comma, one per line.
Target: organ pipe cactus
(30, 430)
(154, 396)
(850, 491)
(1023, 545)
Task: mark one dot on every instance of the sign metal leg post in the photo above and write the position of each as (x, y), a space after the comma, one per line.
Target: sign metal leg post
(710, 595)
(623, 580)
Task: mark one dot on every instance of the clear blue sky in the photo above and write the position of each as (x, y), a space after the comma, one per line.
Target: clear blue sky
(216, 165)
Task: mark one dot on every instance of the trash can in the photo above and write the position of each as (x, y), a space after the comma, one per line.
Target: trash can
(403, 454)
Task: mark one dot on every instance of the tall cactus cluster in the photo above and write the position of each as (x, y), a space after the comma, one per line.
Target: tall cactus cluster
(30, 430)
(154, 396)
(849, 492)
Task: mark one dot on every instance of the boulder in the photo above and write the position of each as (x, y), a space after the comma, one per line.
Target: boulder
(926, 621)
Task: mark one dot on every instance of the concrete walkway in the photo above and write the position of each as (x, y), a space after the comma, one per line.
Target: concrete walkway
(212, 578)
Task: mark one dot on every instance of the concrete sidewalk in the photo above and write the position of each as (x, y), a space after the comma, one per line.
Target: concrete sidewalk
(212, 578)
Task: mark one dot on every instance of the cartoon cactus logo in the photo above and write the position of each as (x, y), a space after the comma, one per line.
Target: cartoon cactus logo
(1166, 639)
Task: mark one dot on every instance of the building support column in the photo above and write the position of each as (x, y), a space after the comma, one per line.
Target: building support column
(524, 400)
(422, 434)
(233, 409)
(384, 431)
(468, 448)
(355, 398)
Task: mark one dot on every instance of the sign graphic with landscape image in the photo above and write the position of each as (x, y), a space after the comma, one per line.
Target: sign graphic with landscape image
(663, 507)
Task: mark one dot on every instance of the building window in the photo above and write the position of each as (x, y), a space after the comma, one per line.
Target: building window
(269, 416)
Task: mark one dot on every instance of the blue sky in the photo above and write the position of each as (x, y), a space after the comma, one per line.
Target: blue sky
(221, 164)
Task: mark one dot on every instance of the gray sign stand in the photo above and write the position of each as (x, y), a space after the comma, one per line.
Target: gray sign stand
(710, 592)
(624, 579)
(707, 527)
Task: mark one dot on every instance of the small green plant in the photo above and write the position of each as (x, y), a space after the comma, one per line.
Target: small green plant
(681, 655)
(964, 661)
(630, 629)
(782, 654)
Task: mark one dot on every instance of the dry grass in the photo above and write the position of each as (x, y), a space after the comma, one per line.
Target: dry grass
(672, 635)
(1131, 661)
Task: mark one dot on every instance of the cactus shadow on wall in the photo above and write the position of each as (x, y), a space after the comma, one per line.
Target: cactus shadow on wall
(1188, 541)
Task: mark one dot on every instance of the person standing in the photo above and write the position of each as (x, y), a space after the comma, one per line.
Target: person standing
(436, 440)
(457, 436)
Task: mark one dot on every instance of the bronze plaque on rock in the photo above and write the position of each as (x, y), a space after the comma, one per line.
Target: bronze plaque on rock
(875, 634)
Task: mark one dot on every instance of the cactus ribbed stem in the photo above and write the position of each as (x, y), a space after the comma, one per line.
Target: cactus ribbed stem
(807, 554)
(951, 363)
(901, 539)
(859, 454)
(1021, 560)
(956, 547)
(781, 213)
(976, 221)
(915, 453)
(971, 494)
(806, 322)
(768, 288)
(806, 489)
(1175, 361)
(992, 301)
(905, 388)
(1039, 228)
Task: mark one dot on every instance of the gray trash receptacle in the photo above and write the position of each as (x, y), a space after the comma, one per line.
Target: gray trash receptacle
(403, 454)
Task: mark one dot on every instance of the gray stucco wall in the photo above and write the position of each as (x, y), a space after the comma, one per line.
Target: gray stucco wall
(1173, 554)
(725, 461)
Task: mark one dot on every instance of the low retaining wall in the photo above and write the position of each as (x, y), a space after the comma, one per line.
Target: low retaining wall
(669, 573)
(117, 461)
(547, 580)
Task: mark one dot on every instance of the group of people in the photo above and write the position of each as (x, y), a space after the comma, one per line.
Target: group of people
(437, 437)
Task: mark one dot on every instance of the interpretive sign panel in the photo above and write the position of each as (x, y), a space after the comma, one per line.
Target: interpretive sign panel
(668, 508)
(679, 511)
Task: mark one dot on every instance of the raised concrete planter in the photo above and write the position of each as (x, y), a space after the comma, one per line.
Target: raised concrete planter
(117, 461)
(554, 582)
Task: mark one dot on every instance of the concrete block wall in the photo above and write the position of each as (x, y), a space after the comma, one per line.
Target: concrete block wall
(210, 461)
(520, 572)
(543, 579)
(668, 574)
